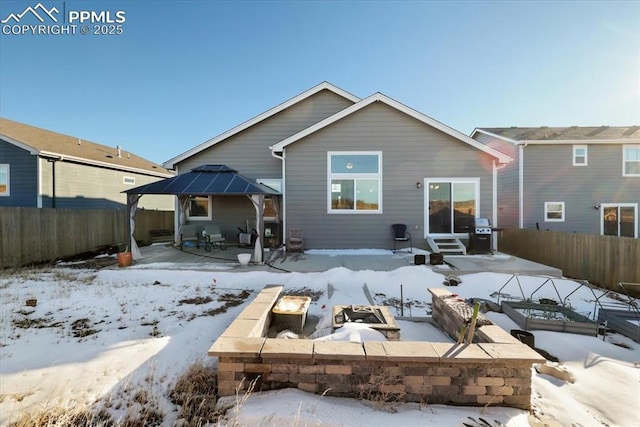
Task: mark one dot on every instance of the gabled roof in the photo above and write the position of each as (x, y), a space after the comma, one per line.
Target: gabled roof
(565, 135)
(46, 143)
(378, 97)
(257, 119)
(205, 180)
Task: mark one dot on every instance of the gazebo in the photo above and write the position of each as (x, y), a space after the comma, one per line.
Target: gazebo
(206, 180)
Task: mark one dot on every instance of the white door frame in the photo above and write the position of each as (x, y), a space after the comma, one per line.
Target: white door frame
(425, 187)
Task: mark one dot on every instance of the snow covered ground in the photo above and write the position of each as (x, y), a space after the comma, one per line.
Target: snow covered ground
(94, 334)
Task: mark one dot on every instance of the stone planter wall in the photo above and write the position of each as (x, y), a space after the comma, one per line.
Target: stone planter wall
(494, 371)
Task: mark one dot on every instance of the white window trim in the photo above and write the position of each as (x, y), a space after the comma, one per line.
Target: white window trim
(8, 168)
(546, 211)
(586, 155)
(209, 217)
(331, 176)
(624, 160)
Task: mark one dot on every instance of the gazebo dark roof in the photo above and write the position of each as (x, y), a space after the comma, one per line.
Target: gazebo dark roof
(205, 180)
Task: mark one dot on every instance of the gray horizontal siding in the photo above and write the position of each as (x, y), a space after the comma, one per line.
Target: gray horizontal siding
(81, 186)
(508, 181)
(248, 152)
(411, 151)
(550, 176)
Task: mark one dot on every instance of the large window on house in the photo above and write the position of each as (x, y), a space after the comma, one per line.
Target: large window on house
(553, 211)
(355, 182)
(4, 180)
(199, 208)
(579, 155)
(631, 160)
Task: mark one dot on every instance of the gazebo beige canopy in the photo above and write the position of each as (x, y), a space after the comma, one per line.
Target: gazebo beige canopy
(206, 180)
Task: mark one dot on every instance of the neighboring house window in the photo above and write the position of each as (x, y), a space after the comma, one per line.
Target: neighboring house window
(276, 184)
(128, 180)
(553, 211)
(4, 180)
(631, 160)
(579, 155)
(200, 207)
(355, 182)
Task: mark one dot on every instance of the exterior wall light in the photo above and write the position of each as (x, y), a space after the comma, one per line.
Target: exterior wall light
(418, 184)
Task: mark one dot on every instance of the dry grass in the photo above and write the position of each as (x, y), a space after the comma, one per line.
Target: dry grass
(65, 417)
(195, 392)
(383, 390)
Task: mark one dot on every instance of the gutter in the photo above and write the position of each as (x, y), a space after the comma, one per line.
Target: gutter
(81, 160)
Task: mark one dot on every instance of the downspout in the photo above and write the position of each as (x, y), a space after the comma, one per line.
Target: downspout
(521, 148)
(53, 179)
(283, 206)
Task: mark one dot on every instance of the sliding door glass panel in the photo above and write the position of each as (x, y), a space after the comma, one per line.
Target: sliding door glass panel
(610, 219)
(627, 221)
(464, 206)
(439, 207)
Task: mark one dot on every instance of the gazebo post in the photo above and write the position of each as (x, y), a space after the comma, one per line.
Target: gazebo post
(258, 203)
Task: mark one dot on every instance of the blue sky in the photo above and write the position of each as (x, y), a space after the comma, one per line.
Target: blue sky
(183, 72)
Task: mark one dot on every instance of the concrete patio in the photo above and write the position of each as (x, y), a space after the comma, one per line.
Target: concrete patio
(318, 260)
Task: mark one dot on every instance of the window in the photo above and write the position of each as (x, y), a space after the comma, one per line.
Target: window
(553, 211)
(4, 180)
(276, 184)
(631, 160)
(579, 155)
(355, 182)
(200, 207)
(128, 180)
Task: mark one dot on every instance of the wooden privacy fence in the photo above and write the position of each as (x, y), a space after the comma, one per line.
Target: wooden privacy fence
(602, 260)
(32, 235)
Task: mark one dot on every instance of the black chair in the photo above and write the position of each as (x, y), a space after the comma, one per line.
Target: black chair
(400, 234)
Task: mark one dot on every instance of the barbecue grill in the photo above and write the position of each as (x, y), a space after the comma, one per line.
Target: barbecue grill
(480, 236)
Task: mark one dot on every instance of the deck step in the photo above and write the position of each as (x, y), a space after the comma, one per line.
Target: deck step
(448, 245)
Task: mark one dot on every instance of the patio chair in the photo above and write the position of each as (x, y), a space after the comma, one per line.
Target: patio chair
(400, 234)
(295, 242)
(188, 233)
(213, 237)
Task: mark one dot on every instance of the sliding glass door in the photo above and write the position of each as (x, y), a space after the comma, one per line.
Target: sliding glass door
(451, 205)
(619, 219)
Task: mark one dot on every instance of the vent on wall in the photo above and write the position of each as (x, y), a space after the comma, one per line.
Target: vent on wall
(128, 180)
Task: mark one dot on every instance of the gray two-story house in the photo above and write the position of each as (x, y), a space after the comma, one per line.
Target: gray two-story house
(40, 168)
(572, 179)
(347, 169)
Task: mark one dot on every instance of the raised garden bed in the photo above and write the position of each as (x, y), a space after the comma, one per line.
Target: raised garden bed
(534, 316)
(622, 321)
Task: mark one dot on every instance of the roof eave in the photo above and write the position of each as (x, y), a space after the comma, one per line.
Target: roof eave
(81, 160)
(170, 164)
(379, 97)
(32, 150)
(580, 141)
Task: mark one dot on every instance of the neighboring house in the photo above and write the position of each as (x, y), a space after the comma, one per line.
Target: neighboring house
(44, 169)
(573, 179)
(347, 169)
